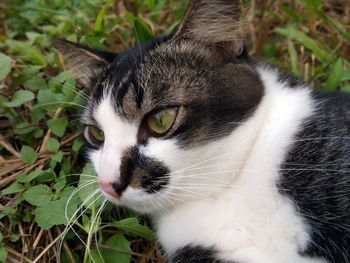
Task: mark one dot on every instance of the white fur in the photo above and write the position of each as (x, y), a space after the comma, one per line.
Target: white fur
(119, 136)
(223, 194)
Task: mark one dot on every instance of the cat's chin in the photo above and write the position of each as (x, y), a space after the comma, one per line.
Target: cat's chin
(135, 199)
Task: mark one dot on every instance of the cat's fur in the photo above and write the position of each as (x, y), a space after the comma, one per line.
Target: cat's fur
(256, 166)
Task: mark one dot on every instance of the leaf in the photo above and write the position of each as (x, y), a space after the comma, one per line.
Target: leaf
(14, 238)
(143, 31)
(346, 75)
(24, 178)
(53, 145)
(3, 254)
(293, 57)
(60, 183)
(46, 176)
(5, 66)
(58, 126)
(38, 195)
(53, 213)
(334, 76)
(336, 25)
(132, 226)
(13, 188)
(58, 157)
(77, 145)
(23, 128)
(110, 254)
(27, 73)
(20, 98)
(35, 83)
(89, 185)
(46, 97)
(28, 155)
(101, 15)
(28, 52)
(293, 33)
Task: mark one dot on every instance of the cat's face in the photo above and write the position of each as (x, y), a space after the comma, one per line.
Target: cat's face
(159, 114)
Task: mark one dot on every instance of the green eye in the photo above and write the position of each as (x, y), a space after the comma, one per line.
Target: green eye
(161, 121)
(95, 135)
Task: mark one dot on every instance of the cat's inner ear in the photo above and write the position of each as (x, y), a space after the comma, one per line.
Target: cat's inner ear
(215, 23)
(86, 63)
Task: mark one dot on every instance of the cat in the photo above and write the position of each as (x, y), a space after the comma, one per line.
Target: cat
(233, 160)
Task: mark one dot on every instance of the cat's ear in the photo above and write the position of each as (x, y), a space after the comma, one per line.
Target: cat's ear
(86, 63)
(214, 22)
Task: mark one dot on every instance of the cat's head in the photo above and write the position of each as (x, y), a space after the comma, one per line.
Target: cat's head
(159, 115)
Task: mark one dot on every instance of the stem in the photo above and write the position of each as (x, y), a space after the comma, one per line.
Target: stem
(90, 235)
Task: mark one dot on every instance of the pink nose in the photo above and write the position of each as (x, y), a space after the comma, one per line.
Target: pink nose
(108, 188)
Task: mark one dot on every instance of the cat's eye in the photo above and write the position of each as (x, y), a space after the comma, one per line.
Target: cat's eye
(161, 121)
(95, 135)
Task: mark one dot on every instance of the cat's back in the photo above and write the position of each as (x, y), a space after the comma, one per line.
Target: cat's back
(316, 176)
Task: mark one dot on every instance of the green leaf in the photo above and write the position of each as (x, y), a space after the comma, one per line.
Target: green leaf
(27, 216)
(46, 98)
(314, 5)
(53, 213)
(24, 178)
(38, 195)
(346, 75)
(3, 254)
(13, 188)
(58, 126)
(101, 15)
(293, 33)
(132, 226)
(35, 83)
(5, 66)
(89, 185)
(293, 57)
(46, 176)
(336, 25)
(60, 183)
(20, 98)
(14, 238)
(28, 52)
(53, 145)
(334, 76)
(58, 157)
(27, 73)
(77, 145)
(120, 243)
(23, 128)
(28, 155)
(143, 31)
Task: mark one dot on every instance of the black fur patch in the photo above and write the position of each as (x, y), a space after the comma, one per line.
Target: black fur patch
(316, 177)
(196, 254)
(141, 171)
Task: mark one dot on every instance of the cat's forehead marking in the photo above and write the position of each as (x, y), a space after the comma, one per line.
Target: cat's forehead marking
(127, 97)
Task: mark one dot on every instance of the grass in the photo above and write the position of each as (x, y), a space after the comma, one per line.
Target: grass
(44, 181)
